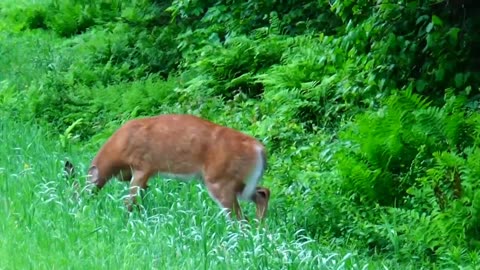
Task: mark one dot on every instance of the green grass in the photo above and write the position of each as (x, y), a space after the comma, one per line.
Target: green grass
(43, 225)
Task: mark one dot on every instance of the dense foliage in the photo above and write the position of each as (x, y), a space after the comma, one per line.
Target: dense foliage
(369, 109)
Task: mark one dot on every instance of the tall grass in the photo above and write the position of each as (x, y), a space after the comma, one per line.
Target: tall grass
(44, 226)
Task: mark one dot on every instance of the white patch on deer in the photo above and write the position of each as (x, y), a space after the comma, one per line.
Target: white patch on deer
(254, 178)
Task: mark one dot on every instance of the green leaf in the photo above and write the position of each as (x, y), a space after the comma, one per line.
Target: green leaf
(436, 20)
(429, 27)
(459, 79)
(453, 34)
(439, 74)
(421, 84)
(421, 19)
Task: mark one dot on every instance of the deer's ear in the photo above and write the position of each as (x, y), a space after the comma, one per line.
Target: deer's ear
(68, 169)
(264, 193)
(93, 173)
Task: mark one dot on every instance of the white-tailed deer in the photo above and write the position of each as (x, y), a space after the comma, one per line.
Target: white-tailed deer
(229, 162)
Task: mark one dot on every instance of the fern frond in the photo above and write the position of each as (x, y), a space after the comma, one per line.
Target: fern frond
(275, 23)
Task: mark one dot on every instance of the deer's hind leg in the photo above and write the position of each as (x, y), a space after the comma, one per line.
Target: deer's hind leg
(226, 197)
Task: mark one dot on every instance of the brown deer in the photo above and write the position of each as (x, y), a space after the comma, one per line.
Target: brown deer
(182, 146)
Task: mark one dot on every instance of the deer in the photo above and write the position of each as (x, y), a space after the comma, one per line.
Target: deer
(184, 147)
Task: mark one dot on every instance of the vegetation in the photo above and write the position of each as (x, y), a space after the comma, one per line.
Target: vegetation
(368, 109)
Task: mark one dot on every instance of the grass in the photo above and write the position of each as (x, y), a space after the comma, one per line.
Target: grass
(43, 226)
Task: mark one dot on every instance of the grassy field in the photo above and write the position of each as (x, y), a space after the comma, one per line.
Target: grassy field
(47, 82)
(44, 226)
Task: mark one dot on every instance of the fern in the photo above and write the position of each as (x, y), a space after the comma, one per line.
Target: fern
(275, 23)
(391, 139)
